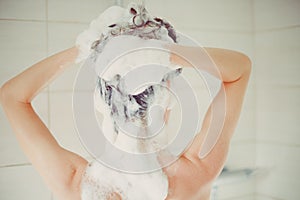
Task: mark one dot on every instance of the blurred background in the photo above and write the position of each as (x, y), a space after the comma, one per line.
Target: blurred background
(267, 136)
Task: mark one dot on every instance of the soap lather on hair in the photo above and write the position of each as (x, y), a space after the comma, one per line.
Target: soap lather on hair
(137, 22)
(133, 107)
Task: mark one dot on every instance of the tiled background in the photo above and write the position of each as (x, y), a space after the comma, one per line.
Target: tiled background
(267, 135)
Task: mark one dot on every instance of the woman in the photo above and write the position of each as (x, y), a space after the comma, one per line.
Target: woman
(62, 170)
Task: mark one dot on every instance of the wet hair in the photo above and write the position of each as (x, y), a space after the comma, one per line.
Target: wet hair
(132, 107)
(140, 24)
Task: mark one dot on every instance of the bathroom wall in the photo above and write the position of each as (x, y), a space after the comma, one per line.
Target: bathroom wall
(277, 59)
(33, 29)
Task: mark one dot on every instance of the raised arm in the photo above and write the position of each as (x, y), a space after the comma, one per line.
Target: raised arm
(59, 168)
(233, 68)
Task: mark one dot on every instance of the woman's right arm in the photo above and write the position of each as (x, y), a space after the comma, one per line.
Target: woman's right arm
(60, 168)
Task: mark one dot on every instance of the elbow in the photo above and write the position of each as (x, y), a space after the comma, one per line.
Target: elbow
(11, 93)
(7, 95)
(241, 59)
(244, 63)
(247, 64)
(3, 94)
(242, 67)
(247, 61)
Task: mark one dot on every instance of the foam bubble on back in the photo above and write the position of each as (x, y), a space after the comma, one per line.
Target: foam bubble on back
(100, 181)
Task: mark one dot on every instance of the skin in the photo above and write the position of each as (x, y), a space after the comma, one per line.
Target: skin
(189, 177)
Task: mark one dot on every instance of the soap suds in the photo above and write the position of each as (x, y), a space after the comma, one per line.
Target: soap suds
(100, 181)
(117, 31)
(133, 109)
(139, 29)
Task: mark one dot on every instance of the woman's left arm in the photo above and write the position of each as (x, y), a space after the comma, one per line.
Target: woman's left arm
(191, 177)
(60, 168)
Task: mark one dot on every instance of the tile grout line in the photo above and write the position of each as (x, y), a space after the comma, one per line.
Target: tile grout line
(243, 142)
(254, 47)
(47, 53)
(255, 81)
(283, 28)
(277, 143)
(15, 165)
(21, 20)
(38, 20)
(47, 30)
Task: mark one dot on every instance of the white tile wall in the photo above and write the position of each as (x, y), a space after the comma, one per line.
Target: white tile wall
(22, 182)
(283, 162)
(241, 155)
(65, 81)
(236, 191)
(277, 57)
(276, 13)
(278, 114)
(245, 129)
(277, 61)
(203, 14)
(22, 44)
(25, 9)
(63, 35)
(76, 10)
